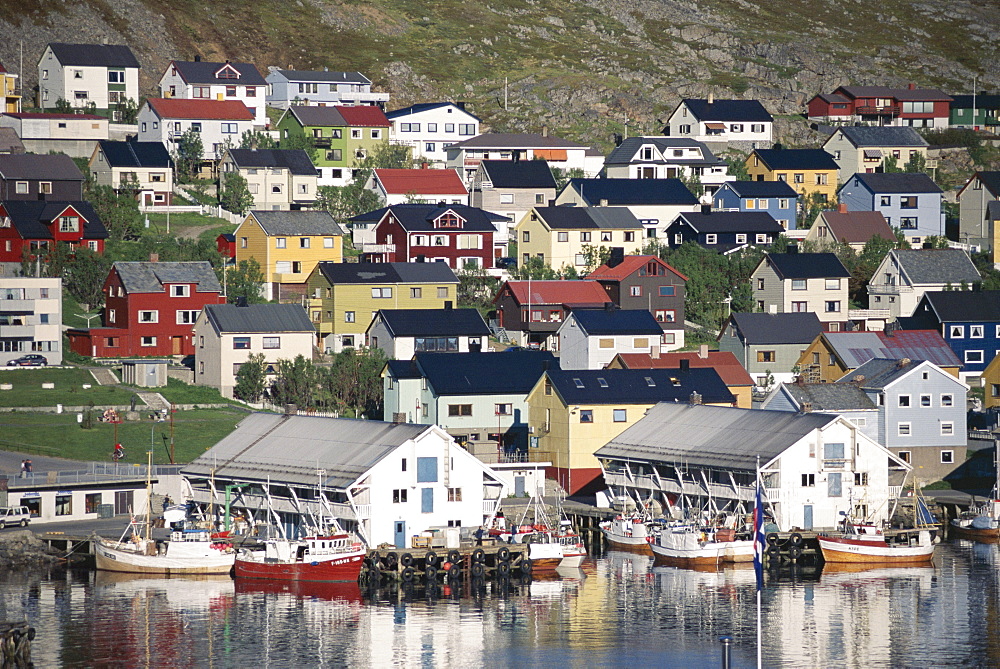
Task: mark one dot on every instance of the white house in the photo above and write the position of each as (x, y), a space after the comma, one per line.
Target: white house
(429, 127)
(226, 335)
(199, 80)
(145, 163)
(321, 88)
(720, 122)
(591, 338)
(402, 332)
(401, 185)
(102, 75)
(220, 122)
(30, 318)
(695, 457)
(388, 482)
(667, 158)
(563, 154)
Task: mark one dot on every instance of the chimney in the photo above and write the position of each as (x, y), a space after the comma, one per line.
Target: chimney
(197, 58)
(442, 203)
(154, 257)
(291, 409)
(421, 258)
(685, 364)
(842, 208)
(618, 139)
(241, 301)
(654, 352)
(398, 417)
(706, 209)
(703, 351)
(890, 329)
(799, 381)
(603, 202)
(711, 98)
(858, 379)
(460, 105)
(903, 362)
(807, 407)
(694, 399)
(912, 87)
(423, 165)
(617, 256)
(545, 131)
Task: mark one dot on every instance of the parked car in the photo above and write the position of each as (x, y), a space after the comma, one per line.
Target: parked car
(30, 360)
(14, 515)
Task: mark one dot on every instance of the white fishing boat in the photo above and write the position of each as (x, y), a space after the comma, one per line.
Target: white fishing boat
(863, 543)
(690, 545)
(628, 533)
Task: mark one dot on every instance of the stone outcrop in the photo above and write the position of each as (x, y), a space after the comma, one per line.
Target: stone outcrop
(21, 548)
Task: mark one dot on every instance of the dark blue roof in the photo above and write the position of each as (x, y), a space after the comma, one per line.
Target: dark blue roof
(509, 372)
(425, 106)
(135, 154)
(94, 55)
(405, 369)
(520, 174)
(761, 189)
(295, 161)
(786, 328)
(33, 218)
(807, 265)
(796, 159)
(728, 110)
(420, 217)
(624, 192)
(386, 272)
(731, 221)
(434, 322)
(897, 182)
(958, 306)
(617, 322)
(639, 386)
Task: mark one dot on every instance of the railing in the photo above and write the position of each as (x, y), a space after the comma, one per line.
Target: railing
(507, 458)
(981, 435)
(378, 248)
(773, 494)
(864, 314)
(895, 491)
(489, 506)
(892, 287)
(363, 511)
(322, 142)
(892, 110)
(97, 472)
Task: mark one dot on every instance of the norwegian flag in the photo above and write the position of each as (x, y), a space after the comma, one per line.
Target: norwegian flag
(758, 536)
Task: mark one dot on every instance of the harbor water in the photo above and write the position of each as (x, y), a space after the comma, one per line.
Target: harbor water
(619, 610)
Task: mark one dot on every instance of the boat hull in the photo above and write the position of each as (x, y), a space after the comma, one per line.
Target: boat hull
(729, 552)
(839, 550)
(110, 558)
(337, 570)
(618, 542)
(545, 564)
(572, 561)
(989, 536)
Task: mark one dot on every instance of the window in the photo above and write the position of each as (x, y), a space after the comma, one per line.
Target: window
(903, 400)
(606, 343)
(584, 236)
(586, 415)
(432, 127)
(562, 236)
(230, 128)
(798, 284)
(925, 400)
(800, 178)
(409, 127)
(832, 306)
(667, 291)
(111, 315)
(459, 409)
(348, 316)
(180, 290)
(976, 331)
(861, 478)
(808, 480)
(251, 93)
(620, 415)
(415, 293)
(736, 127)
(908, 222)
(243, 242)
(947, 457)
(903, 429)
(466, 129)
(149, 316)
(328, 242)
(382, 293)
(833, 284)
(399, 496)
(427, 470)
(946, 400)
(956, 331)
(711, 239)
(64, 504)
(196, 127)
(442, 292)
(148, 341)
(454, 494)
(763, 239)
(503, 409)
(800, 307)
(69, 224)
(741, 238)
(376, 133)
(947, 428)
(272, 342)
(885, 201)
(303, 242)
(904, 456)
(356, 134)
(640, 342)
(45, 187)
(449, 127)
(635, 291)
(430, 147)
(765, 356)
(665, 316)
(760, 284)
(241, 343)
(908, 202)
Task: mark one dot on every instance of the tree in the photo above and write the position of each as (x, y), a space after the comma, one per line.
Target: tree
(118, 210)
(234, 193)
(562, 176)
(475, 287)
(934, 242)
(890, 165)
(64, 106)
(85, 276)
(693, 182)
(916, 163)
(295, 383)
(298, 140)
(246, 282)
(128, 110)
(810, 206)
(353, 382)
(250, 379)
(190, 151)
(257, 139)
(737, 164)
(534, 268)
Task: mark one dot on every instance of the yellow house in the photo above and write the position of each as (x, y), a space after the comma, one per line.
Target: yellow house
(572, 413)
(344, 297)
(288, 245)
(11, 92)
(833, 354)
(562, 236)
(990, 379)
(807, 171)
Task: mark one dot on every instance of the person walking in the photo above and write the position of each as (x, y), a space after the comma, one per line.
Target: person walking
(24, 468)
(479, 536)
(27, 466)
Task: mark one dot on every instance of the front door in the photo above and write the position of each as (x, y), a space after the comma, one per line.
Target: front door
(518, 486)
(175, 343)
(400, 533)
(123, 502)
(807, 517)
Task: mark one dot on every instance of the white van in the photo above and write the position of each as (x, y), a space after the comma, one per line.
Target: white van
(14, 515)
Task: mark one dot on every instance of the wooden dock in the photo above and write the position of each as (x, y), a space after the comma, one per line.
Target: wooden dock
(492, 560)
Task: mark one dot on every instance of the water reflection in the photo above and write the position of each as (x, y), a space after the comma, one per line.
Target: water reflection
(618, 610)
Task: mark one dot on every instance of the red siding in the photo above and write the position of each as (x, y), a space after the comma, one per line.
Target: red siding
(390, 231)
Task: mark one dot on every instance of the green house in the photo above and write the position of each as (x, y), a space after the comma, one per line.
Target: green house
(343, 136)
(980, 112)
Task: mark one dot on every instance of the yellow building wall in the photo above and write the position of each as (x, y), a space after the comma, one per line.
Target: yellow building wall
(808, 184)
(255, 245)
(991, 384)
(539, 239)
(743, 395)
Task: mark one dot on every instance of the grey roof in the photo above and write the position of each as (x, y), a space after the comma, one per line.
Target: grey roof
(94, 55)
(897, 182)
(788, 328)
(294, 160)
(258, 318)
(326, 76)
(387, 272)
(930, 266)
(829, 396)
(290, 449)
(203, 72)
(864, 135)
(58, 167)
(302, 222)
(149, 277)
(878, 373)
(856, 348)
(576, 218)
(709, 436)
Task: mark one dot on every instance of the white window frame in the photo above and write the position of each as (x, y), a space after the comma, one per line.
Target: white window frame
(711, 238)
(947, 428)
(951, 457)
(969, 355)
(903, 429)
(147, 341)
(180, 290)
(149, 316)
(976, 331)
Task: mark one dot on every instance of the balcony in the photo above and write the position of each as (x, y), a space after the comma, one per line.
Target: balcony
(890, 288)
(17, 331)
(378, 248)
(363, 511)
(890, 110)
(321, 142)
(868, 314)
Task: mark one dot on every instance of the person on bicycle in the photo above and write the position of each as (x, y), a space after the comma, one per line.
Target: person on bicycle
(119, 452)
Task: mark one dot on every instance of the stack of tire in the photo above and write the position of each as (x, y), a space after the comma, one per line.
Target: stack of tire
(478, 568)
(452, 567)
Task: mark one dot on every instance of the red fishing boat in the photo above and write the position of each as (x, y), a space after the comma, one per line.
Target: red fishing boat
(332, 558)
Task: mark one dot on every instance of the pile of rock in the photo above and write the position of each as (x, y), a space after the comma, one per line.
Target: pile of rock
(23, 548)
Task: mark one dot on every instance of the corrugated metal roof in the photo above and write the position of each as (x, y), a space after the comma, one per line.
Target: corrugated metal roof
(149, 277)
(290, 449)
(302, 222)
(258, 318)
(857, 348)
(710, 436)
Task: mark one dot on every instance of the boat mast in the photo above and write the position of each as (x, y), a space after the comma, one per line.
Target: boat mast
(149, 495)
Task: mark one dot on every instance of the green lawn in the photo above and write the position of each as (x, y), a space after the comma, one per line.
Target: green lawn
(185, 220)
(28, 391)
(179, 392)
(59, 435)
(72, 310)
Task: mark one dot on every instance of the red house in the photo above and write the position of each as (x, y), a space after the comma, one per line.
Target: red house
(35, 225)
(532, 311)
(150, 310)
(455, 234)
(881, 105)
(226, 244)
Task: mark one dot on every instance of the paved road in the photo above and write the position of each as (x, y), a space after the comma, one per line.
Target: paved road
(10, 464)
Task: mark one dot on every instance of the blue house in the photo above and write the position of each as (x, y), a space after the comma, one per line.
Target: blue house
(723, 231)
(776, 198)
(968, 320)
(910, 201)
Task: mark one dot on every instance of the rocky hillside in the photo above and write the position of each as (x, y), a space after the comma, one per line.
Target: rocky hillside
(584, 68)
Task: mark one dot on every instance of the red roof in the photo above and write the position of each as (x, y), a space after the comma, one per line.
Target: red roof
(559, 292)
(857, 227)
(31, 115)
(221, 110)
(421, 182)
(726, 364)
(627, 267)
(368, 116)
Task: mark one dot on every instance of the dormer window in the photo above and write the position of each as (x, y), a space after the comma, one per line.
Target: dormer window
(647, 153)
(69, 224)
(227, 71)
(448, 220)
